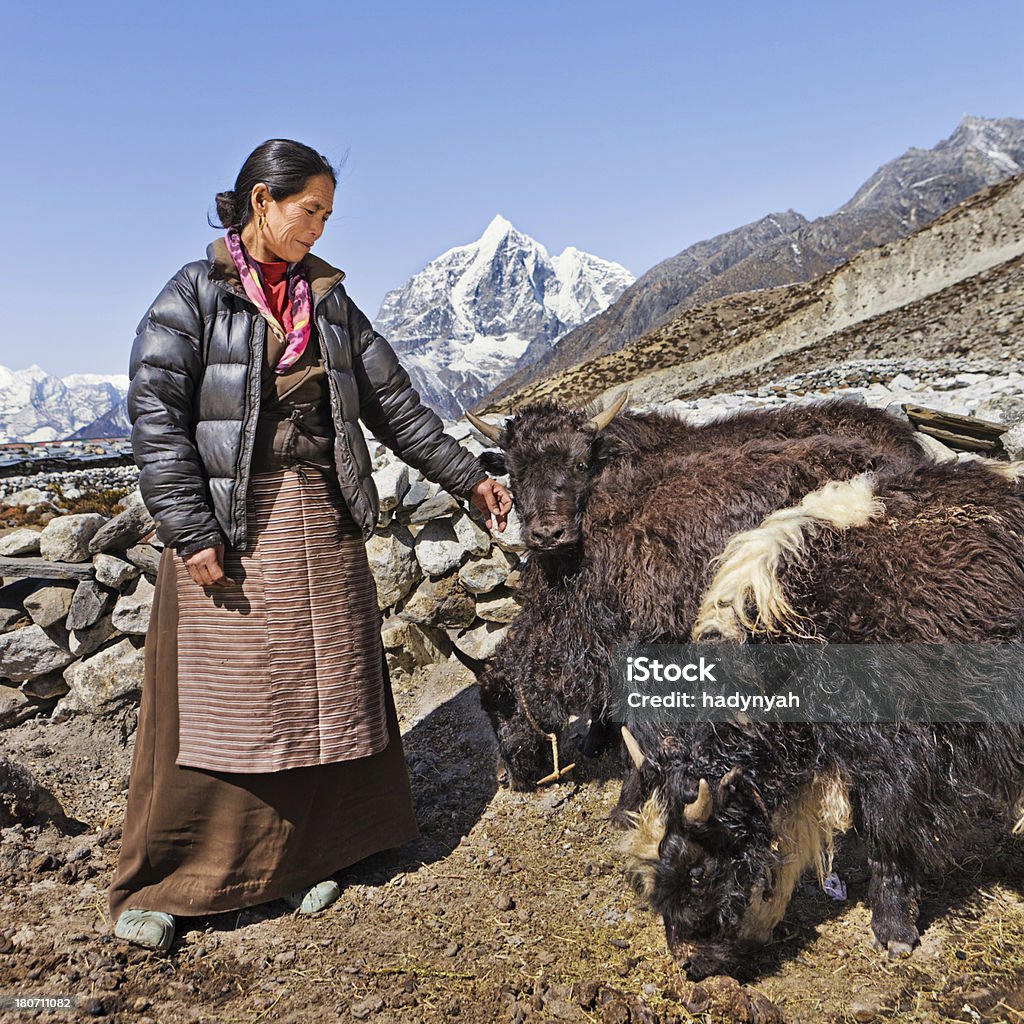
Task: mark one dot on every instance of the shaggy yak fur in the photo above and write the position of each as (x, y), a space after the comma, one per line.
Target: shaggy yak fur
(733, 814)
(623, 524)
(640, 532)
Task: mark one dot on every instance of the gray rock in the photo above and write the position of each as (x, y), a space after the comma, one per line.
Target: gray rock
(511, 539)
(107, 677)
(123, 530)
(29, 652)
(482, 575)
(20, 542)
(473, 537)
(441, 504)
(420, 489)
(145, 556)
(47, 687)
(12, 618)
(82, 642)
(391, 481)
(15, 707)
(409, 646)
(1005, 409)
(131, 613)
(393, 564)
(438, 549)
(1013, 442)
(481, 641)
(28, 497)
(66, 538)
(91, 601)
(48, 605)
(114, 572)
(500, 605)
(439, 602)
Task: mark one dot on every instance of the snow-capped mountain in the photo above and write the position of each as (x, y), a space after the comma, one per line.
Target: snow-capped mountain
(35, 406)
(462, 322)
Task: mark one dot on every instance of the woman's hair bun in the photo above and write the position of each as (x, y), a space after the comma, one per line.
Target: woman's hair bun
(283, 165)
(226, 212)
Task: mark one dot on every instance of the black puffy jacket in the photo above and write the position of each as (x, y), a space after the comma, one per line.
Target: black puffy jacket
(195, 393)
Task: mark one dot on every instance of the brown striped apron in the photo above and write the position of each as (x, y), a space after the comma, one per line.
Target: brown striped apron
(201, 842)
(283, 669)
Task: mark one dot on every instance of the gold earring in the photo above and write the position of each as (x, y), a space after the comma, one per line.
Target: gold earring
(261, 222)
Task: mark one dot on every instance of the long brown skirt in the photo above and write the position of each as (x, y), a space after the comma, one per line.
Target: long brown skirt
(202, 842)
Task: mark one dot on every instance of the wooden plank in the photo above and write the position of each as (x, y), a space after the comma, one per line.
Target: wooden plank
(969, 426)
(40, 568)
(959, 442)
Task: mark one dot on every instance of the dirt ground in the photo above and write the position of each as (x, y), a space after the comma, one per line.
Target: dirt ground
(510, 908)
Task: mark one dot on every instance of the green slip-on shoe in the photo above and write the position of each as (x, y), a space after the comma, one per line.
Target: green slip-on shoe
(149, 928)
(312, 901)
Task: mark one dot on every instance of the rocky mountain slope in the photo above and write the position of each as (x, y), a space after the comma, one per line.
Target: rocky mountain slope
(463, 322)
(36, 406)
(955, 287)
(781, 249)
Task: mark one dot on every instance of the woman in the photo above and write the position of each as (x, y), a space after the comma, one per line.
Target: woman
(268, 754)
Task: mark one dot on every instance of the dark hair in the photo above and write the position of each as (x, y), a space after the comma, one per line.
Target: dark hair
(282, 165)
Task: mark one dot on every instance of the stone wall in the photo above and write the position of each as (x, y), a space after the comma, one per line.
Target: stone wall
(76, 594)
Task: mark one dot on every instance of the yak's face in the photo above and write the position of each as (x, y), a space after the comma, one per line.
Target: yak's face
(702, 872)
(551, 454)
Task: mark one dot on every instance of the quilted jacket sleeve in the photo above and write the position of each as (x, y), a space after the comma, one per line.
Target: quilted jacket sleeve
(391, 408)
(165, 372)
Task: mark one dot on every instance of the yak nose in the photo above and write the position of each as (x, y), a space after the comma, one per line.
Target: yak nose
(547, 534)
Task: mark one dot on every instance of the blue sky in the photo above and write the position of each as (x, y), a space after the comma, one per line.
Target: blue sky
(628, 132)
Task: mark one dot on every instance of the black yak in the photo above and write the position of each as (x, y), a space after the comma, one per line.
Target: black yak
(732, 814)
(624, 516)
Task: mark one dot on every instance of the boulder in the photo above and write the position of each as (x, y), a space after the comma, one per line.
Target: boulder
(481, 641)
(441, 504)
(499, 605)
(1013, 442)
(66, 538)
(47, 687)
(51, 604)
(482, 575)
(471, 535)
(24, 801)
(440, 602)
(393, 564)
(82, 642)
(131, 613)
(409, 646)
(29, 652)
(91, 601)
(108, 677)
(391, 481)
(145, 556)
(438, 548)
(20, 542)
(114, 572)
(1005, 409)
(123, 530)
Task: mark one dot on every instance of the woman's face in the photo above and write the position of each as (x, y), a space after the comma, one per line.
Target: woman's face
(293, 224)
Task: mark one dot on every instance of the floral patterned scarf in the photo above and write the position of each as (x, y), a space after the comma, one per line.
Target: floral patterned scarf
(297, 309)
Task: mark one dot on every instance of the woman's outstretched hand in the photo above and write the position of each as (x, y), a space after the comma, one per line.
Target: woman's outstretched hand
(206, 567)
(493, 500)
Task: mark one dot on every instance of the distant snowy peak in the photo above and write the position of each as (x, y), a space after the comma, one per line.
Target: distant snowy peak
(463, 321)
(35, 406)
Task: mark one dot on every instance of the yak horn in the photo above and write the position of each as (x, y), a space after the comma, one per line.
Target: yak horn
(489, 430)
(602, 419)
(633, 747)
(700, 810)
